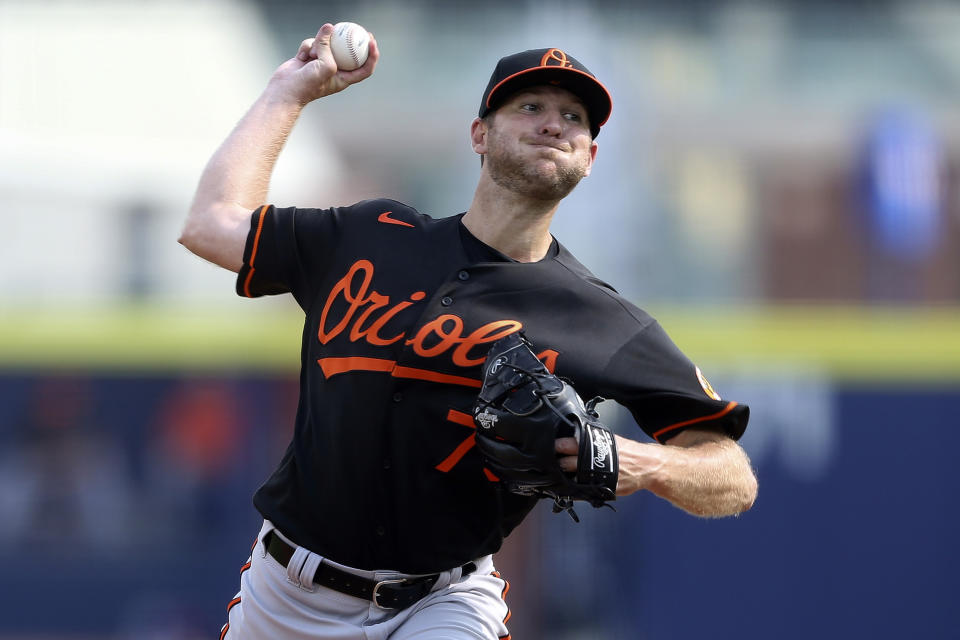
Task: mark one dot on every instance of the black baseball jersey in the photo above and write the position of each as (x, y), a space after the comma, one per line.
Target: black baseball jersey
(382, 472)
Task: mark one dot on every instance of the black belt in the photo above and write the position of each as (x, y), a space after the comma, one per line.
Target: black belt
(386, 594)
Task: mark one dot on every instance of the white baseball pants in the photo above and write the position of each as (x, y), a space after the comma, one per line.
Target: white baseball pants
(280, 603)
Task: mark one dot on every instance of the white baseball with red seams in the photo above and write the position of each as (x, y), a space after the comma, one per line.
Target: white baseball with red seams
(350, 44)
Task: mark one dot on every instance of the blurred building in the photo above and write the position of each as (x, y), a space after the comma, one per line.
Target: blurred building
(108, 113)
(729, 170)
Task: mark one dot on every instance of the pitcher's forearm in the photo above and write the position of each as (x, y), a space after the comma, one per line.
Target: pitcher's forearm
(707, 475)
(237, 178)
(239, 171)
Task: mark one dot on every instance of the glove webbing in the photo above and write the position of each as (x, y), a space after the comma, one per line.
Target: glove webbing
(560, 503)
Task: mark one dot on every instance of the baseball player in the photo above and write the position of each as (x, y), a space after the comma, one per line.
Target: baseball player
(382, 517)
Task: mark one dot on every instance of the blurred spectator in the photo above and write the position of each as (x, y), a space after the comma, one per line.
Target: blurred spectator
(63, 481)
(901, 177)
(197, 441)
(811, 241)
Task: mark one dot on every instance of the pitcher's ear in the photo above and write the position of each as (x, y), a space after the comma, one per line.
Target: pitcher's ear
(478, 135)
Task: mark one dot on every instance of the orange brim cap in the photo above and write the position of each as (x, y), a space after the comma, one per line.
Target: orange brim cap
(548, 67)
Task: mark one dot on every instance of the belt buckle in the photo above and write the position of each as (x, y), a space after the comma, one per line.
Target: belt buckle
(376, 592)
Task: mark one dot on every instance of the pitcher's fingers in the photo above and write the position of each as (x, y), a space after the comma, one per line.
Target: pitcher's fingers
(322, 40)
(373, 52)
(567, 446)
(365, 71)
(303, 53)
(567, 463)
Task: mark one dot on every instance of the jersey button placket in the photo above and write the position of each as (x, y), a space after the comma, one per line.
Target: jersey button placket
(463, 275)
(446, 301)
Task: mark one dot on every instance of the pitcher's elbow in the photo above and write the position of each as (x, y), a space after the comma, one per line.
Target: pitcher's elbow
(189, 236)
(186, 240)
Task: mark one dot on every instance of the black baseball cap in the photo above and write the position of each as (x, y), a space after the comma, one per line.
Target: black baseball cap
(548, 67)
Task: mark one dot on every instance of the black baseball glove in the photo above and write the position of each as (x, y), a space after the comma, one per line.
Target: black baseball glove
(520, 412)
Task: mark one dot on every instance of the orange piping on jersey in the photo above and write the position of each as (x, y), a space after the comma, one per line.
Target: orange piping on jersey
(256, 237)
(490, 476)
(434, 376)
(686, 423)
(549, 359)
(506, 585)
(226, 627)
(503, 596)
(461, 418)
(235, 601)
(253, 251)
(333, 366)
(457, 454)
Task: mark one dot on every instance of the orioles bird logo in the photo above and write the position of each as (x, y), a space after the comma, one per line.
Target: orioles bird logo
(707, 387)
(555, 58)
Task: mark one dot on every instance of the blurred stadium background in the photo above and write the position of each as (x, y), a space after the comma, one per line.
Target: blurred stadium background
(779, 184)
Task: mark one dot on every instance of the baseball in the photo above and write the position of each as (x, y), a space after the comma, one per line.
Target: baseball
(349, 44)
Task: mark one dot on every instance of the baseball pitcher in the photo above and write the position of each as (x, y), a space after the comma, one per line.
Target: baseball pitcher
(450, 367)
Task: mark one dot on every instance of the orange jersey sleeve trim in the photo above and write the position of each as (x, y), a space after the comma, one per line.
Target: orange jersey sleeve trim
(686, 423)
(253, 251)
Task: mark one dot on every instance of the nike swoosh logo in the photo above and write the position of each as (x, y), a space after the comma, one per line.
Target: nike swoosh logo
(385, 217)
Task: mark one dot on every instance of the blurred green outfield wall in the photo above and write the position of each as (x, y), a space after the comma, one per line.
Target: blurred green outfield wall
(845, 343)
